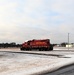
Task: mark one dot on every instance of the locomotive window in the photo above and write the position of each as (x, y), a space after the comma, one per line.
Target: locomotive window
(28, 43)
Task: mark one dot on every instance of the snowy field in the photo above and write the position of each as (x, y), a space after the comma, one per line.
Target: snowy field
(16, 62)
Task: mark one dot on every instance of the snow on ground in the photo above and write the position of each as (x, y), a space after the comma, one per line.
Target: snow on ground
(19, 63)
(63, 48)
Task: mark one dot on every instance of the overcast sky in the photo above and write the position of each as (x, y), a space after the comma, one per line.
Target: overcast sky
(22, 20)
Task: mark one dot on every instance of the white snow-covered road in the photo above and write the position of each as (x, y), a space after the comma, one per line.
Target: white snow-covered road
(15, 62)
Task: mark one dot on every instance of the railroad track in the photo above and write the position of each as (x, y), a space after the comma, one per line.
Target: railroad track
(36, 53)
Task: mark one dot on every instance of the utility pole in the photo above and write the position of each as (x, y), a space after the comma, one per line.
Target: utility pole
(68, 41)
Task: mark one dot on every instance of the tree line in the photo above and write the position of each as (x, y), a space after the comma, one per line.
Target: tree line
(6, 45)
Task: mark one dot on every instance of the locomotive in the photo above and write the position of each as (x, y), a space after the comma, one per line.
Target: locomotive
(41, 45)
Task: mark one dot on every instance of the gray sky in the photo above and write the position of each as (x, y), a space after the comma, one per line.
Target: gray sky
(22, 20)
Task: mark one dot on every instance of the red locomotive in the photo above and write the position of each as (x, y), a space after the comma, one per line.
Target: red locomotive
(41, 45)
